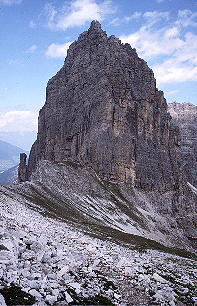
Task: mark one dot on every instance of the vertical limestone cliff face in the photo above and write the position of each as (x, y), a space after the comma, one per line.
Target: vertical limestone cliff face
(103, 109)
(185, 116)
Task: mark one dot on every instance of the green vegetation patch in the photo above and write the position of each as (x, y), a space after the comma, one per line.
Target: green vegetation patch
(122, 202)
(15, 296)
(133, 241)
(74, 165)
(94, 300)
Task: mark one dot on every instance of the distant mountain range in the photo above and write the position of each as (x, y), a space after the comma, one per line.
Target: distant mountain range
(9, 176)
(9, 155)
(19, 139)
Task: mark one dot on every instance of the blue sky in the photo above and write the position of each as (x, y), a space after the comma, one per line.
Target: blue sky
(36, 33)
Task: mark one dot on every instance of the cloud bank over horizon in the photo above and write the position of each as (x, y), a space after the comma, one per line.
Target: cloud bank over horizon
(18, 121)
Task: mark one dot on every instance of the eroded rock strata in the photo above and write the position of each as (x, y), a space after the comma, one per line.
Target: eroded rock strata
(185, 116)
(103, 109)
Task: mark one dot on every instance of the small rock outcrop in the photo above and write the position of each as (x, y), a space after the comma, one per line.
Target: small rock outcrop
(185, 116)
(103, 109)
(22, 169)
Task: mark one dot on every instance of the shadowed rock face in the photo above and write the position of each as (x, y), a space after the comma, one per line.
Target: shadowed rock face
(103, 109)
(22, 169)
(185, 116)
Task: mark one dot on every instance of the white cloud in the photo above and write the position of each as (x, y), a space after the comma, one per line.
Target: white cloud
(14, 62)
(187, 18)
(135, 15)
(171, 32)
(182, 65)
(32, 49)
(175, 47)
(115, 21)
(187, 52)
(155, 16)
(18, 121)
(10, 2)
(3, 91)
(32, 24)
(50, 13)
(77, 13)
(58, 50)
(149, 42)
(150, 17)
(172, 71)
(172, 92)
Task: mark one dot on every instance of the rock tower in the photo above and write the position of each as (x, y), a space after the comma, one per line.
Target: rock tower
(103, 109)
(22, 169)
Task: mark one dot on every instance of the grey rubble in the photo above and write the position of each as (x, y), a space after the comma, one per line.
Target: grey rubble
(58, 264)
(103, 109)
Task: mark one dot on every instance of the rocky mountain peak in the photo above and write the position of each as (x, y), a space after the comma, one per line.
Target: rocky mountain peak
(103, 110)
(95, 25)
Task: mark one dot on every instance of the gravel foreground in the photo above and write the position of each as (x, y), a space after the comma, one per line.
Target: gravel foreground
(43, 261)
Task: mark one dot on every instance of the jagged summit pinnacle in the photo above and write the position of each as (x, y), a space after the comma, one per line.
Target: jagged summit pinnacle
(95, 25)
